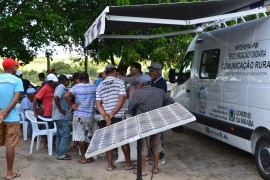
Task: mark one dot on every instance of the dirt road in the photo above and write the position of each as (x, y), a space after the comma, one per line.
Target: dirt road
(189, 155)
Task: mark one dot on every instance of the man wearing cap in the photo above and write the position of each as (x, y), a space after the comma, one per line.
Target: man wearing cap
(110, 97)
(157, 79)
(26, 83)
(135, 71)
(46, 95)
(60, 115)
(27, 102)
(159, 82)
(84, 112)
(146, 99)
(10, 88)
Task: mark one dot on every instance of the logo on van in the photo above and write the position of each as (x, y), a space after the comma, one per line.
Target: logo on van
(231, 113)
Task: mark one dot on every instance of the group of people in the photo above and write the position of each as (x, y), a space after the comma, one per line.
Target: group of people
(145, 93)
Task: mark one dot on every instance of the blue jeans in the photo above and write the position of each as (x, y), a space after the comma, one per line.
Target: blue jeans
(63, 138)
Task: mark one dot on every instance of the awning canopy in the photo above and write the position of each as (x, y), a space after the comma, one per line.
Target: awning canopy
(137, 17)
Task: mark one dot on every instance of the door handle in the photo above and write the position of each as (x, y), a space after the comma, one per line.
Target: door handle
(188, 91)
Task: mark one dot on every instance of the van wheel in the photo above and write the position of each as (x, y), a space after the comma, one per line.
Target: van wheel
(178, 129)
(262, 156)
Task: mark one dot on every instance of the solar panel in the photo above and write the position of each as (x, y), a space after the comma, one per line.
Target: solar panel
(138, 127)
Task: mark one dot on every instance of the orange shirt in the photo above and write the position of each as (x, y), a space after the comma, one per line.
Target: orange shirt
(46, 95)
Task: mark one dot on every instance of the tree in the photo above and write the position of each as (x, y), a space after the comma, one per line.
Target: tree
(29, 25)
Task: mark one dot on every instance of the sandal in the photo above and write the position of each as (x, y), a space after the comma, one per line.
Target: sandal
(143, 174)
(14, 176)
(131, 167)
(111, 169)
(155, 171)
(67, 157)
(89, 160)
(82, 161)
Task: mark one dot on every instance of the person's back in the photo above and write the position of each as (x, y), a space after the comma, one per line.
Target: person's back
(108, 91)
(46, 95)
(9, 85)
(146, 99)
(10, 88)
(85, 97)
(149, 98)
(82, 129)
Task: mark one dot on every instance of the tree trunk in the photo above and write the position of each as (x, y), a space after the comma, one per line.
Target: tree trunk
(48, 62)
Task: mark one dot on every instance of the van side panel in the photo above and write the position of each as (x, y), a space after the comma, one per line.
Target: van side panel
(208, 91)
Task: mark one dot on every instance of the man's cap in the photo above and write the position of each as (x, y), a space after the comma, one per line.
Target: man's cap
(144, 78)
(30, 91)
(108, 67)
(62, 78)
(18, 73)
(52, 77)
(9, 63)
(155, 66)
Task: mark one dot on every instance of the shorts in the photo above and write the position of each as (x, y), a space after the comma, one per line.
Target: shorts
(82, 129)
(102, 123)
(155, 144)
(10, 134)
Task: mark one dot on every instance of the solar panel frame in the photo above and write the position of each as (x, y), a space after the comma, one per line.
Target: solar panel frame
(138, 127)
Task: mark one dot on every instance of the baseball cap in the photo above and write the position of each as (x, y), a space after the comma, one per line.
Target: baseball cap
(144, 78)
(62, 78)
(30, 91)
(9, 63)
(18, 72)
(108, 67)
(155, 66)
(52, 77)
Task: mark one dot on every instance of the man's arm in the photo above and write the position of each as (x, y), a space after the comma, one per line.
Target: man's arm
(101, 110)
(73, 106)
(118, 106)
(167, 99)
(57, 103)
(131, 79)
(35, 106)
(14, 101)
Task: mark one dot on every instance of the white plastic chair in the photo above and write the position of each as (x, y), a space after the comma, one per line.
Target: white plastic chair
(24, 124)
(51, 133)
(37, 132)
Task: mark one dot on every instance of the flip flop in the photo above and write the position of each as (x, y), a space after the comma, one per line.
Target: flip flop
(67, 157)
(89, 160)
(82, 162)
(143, 174)
(155, 171)
(13, 177)
(131, 168)
(111, 169)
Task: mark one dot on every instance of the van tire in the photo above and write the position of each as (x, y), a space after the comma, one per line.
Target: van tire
(178, 129)
(262, 156)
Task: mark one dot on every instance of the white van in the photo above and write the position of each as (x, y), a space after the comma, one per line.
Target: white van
(224, 81)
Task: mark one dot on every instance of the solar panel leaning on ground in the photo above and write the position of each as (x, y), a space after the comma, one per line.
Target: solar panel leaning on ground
(138, 127)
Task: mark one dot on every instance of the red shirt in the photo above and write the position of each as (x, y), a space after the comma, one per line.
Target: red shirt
(46, 95)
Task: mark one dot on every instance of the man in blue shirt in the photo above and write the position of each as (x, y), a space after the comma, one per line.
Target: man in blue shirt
(10, 88)
(84, 113)
(61, 116)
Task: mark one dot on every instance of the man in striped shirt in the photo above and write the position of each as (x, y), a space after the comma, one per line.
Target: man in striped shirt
(84, 112)
(110, 97)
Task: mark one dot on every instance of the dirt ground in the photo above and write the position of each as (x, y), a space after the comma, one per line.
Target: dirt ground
(189, 155)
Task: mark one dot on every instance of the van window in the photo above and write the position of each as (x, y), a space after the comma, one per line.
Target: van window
(185, 68)
(209, 64)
